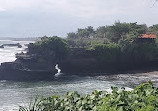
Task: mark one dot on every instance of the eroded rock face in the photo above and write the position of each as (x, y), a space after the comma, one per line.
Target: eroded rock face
(33, 67)
(26, 75)
(20, 72)
(11, 66)
(27, 66)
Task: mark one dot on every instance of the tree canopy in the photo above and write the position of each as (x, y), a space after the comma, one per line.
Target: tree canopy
(51, 48)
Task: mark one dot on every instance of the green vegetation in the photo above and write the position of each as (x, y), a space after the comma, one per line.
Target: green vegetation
(143, 98)
(117, 44)
(113, 33)
(50, 48)
(108, 53)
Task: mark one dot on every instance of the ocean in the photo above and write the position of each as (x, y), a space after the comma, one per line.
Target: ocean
(7, 54)
(13, 94)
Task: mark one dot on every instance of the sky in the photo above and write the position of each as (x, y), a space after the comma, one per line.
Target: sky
(37, 18)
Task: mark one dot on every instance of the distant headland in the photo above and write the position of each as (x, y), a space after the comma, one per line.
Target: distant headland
(108, 49)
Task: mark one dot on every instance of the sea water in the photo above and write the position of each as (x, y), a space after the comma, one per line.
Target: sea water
(7, 54)
(13, 94)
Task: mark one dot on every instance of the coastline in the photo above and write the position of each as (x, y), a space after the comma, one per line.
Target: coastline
(12, 71)
(32, 66)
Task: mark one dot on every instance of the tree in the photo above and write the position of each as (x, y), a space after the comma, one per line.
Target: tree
(82, 33)
(154, 28)
(90, 31)
(71, 35)
(50, 48)
(100, 32)
(85, 33)
(116, 31)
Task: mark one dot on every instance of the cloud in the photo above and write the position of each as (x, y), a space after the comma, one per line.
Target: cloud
(2, 9)
(78, 8)
(57, 17)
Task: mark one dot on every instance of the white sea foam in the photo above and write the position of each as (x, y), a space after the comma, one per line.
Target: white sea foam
(9, 108)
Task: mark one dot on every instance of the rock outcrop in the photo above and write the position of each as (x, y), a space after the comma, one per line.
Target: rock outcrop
(11, 45)
(32, 67)
(19, 72)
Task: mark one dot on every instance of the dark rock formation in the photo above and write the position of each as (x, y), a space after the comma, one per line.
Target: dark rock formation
(1, 46)
(27, 68)
(26, 75)
(31, 67)
(16, 71)
(11, 45)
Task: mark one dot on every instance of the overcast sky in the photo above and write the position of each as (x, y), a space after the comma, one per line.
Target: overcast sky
(33, 18)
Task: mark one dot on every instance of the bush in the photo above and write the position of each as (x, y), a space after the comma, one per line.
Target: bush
(142, 98)
(107, 53)
(53, 48)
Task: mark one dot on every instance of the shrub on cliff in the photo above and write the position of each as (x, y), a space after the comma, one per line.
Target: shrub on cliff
(50, 48)
(108, 53)
(138, 52)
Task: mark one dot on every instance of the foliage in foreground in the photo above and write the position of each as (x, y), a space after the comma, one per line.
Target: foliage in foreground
(143, 98)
